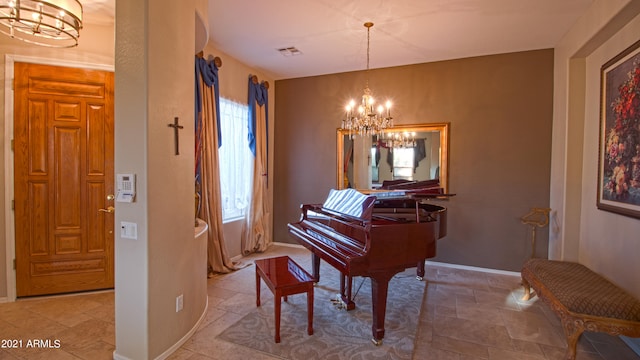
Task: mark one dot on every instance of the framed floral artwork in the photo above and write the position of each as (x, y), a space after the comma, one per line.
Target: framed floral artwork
(619, 151)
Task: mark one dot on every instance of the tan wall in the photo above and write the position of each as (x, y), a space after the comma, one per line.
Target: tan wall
(96, 46)
(608, 242)
(500, 110)
(131, 257)
(154, 83)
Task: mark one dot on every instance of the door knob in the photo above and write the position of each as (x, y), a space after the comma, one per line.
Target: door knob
(109, 209)
(110, 197)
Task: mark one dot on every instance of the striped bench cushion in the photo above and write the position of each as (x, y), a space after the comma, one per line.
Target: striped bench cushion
(583, 291)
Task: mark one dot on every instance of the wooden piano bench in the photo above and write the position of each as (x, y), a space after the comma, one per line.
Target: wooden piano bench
(584, 300)
(284, 277)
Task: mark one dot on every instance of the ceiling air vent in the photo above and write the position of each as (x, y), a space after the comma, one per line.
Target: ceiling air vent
(289, 51)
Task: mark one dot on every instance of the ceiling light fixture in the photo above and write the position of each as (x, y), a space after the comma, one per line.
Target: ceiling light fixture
(51, 23)
(400, 140)
(367, 120)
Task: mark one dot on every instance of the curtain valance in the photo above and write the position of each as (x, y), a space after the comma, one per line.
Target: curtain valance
(258, 94)
(208, 71)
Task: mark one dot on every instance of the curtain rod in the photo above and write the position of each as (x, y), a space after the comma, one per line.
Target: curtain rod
(254, 79)
(216, 60)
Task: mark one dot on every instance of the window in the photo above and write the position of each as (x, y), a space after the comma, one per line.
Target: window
(236, 160)
(403, 163)
(375, 170)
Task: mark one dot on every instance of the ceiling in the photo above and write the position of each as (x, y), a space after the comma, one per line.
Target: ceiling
(331, 37)
(101, 12)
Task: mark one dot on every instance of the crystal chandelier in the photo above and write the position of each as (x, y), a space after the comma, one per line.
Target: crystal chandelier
(51, 23)
(399, 140)
(366, 119)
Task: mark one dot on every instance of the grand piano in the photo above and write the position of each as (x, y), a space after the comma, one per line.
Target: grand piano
(375, 236)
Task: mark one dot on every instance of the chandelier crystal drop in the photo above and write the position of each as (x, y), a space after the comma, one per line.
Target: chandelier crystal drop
(50, 23)
(366, 119)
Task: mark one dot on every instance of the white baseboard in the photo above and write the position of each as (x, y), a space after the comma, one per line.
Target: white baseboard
(455, 266)
(633, 343)
(474, 268)
(4, 300)
(119, 357)
(286, 244)
(178, 344)
(186, 336)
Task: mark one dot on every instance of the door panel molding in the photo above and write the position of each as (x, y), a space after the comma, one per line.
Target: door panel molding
(10, 59)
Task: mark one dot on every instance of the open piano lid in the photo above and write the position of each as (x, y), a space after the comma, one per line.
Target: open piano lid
(425, 189)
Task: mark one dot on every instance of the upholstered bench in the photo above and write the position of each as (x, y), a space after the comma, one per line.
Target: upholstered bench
(584, 300)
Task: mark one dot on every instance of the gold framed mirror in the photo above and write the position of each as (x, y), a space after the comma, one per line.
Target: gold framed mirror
(410, 152)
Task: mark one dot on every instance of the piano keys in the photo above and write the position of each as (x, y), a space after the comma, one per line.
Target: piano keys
(362, 235)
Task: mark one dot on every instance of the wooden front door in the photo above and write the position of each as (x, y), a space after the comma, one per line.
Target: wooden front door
(63, 162)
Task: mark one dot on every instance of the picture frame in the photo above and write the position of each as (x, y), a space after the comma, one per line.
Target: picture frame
(619, 138)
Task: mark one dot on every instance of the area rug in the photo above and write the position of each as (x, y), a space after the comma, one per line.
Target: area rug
(338, 334)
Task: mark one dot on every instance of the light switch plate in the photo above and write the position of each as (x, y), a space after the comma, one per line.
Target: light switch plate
(128, 230)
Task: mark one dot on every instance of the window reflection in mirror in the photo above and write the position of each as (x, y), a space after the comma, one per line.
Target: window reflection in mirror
(410, 152)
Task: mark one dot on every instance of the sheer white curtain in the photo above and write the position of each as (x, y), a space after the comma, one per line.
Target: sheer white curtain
(235, 160)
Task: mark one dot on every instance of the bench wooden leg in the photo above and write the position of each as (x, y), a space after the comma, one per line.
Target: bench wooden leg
(277, 303)
(257, 288)
(572, 330)
(310, 311)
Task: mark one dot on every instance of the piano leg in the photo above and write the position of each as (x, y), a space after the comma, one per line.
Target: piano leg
(379, 287)
(345, 291)
(315, 259)
(420, 270)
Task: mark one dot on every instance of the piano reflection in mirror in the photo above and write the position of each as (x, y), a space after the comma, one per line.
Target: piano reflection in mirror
(374, 235)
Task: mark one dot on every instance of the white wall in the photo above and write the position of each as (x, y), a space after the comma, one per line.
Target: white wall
(603, 241)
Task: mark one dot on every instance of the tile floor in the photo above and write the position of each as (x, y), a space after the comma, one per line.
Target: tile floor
(469, 315)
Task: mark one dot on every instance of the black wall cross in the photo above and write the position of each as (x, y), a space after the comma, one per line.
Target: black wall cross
(176, 127)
